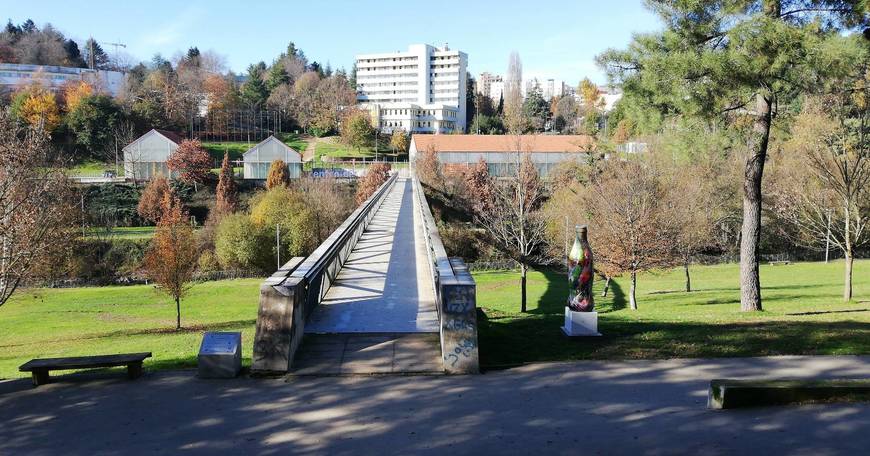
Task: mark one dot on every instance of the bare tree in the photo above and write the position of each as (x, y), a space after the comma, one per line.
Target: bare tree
(832, 201)
(34, 202)
(513, 218)
(630, 230)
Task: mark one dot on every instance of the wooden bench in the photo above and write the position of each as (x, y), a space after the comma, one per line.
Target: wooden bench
(780, 262)
(39, 368)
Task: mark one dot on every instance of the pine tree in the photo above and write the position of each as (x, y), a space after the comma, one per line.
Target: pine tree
(226, 192)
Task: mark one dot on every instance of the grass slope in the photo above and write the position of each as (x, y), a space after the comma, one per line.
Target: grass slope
(238, 148)
(804, 314)
(104, 320)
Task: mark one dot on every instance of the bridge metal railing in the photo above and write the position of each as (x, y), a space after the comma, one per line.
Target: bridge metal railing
(289, 296)
(455, 294)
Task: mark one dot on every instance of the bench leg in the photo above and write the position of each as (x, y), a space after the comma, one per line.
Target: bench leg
(134, 370)
(40, 377)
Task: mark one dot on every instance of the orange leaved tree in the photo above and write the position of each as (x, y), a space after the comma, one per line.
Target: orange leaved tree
(172, 258)
(376, 175)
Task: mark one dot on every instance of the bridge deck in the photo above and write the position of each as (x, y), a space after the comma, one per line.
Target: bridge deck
(384, 287)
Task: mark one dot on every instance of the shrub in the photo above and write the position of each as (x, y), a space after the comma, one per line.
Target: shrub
(151, 202)
(278, 175)
(241, 244)
(208, 262)
(376, 175)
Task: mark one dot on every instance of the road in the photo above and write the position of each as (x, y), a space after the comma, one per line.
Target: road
(617, 407)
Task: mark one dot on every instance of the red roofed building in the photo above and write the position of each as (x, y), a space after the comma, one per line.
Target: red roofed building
(501, 152)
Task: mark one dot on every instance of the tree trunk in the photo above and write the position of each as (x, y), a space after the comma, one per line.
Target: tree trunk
(523, 269)
(631, 294)
(177, 313)
(606, 286)
(688, 278)
(750, 284)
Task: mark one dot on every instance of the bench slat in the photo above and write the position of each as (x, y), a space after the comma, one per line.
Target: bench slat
(83, 362)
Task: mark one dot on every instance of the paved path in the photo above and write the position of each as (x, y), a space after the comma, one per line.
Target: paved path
(384, 287)
(631, 407)
(348, 354)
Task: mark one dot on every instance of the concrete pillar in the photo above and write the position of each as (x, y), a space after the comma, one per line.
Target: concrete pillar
(459, 347)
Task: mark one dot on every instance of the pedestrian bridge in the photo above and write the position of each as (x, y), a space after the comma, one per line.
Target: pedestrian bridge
(379, 295)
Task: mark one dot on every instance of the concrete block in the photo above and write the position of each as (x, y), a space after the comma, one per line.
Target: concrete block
(580, 323)
(220, 355)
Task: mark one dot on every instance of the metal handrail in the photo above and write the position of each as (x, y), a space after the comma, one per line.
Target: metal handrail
(321, 263)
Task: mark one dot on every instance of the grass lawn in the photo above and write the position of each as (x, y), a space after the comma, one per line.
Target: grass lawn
(237, 148)
(103, 320)
(125, 232)
(90, 169)
(804, 314)
(333, 147)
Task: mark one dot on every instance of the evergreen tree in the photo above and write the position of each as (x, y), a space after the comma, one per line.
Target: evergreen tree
(226, 192)
(254, 90)
(95, 57)
(73, 54)
(277, 76)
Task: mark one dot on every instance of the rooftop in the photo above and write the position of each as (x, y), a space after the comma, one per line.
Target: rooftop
(504, 143)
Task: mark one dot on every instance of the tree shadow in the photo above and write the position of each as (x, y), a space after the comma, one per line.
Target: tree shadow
(555, 297)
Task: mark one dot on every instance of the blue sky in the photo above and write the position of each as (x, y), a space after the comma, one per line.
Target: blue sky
(554, 39)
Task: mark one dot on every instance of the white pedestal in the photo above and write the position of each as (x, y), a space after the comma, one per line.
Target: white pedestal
(580, 323)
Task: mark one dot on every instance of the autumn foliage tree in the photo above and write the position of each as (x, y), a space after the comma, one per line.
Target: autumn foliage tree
(172, 258)
(629, 227)
(226, 193)
(35, 206)
(376, 175)
(150, 205)
(37, 106)
(278, 175)
(399, 141)
(191, 161)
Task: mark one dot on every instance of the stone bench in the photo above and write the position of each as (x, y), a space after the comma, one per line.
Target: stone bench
(40, 368)
(726, 394)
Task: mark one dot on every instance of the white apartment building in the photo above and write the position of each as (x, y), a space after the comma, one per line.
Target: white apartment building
(14, 75)
(490, 85)
(421, 90)
(549, 87)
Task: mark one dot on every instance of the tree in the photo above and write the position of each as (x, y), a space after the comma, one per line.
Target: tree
(328, 203)
(226, 192)
(830, 203)
(375, 176)
(254, 90)
(736, 60)
(239, 243)
(191, 162)
(629, 227)
(289, 209)
(94, 121)
(35, 206)
(536, 110)
(511, 214)
(514, 120)
(37, 106)
(357, 130)
(150, 205)
(278, 76)
(278, 175)
(565, 115)
(95, 56)
(399, 142)
(74, 93)
(172, 258)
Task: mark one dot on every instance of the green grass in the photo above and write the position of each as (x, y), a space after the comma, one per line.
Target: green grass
(238, 148)
(123, 232)
(804, 314)
(103, 320)
(90, 168)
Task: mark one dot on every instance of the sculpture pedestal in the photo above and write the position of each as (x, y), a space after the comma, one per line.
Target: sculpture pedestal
(580, 323)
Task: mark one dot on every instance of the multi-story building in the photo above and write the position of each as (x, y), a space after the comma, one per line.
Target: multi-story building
(421, 90)
(549, 87)
(14, 75)
(490, 85)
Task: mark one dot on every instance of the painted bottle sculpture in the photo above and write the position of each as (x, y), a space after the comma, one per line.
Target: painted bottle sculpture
(580, 273)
